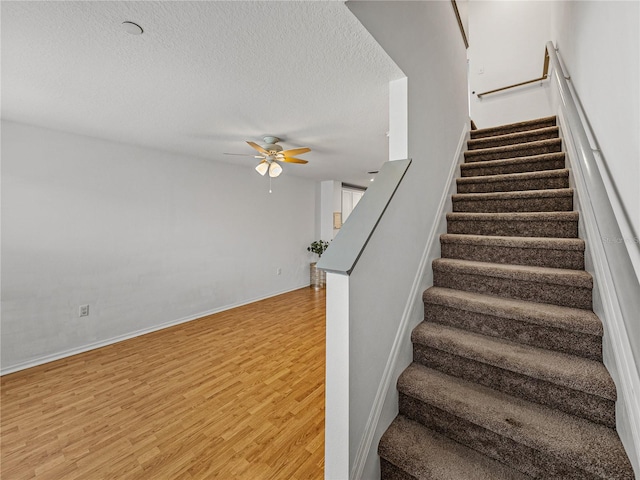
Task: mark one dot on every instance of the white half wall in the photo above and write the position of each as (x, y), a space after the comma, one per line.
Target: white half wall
(423, 39)
(144, 237)
(506, 47)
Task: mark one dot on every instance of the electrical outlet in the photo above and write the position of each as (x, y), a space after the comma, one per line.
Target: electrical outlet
(83, 311)
(278, 271)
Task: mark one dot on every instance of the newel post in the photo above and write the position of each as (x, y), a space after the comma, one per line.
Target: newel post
(337, 378)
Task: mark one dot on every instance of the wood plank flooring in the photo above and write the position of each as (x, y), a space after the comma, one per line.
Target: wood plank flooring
(235, 395)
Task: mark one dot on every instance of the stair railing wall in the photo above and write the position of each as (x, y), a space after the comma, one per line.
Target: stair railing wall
(339, 262)
(612, 256)
(367, 309)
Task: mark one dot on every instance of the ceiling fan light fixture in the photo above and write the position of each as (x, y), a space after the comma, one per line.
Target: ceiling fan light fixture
(271, 154)
(262, 168)
(275, 169)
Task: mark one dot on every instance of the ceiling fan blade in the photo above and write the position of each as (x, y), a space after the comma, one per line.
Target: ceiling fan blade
(295, 151)
(292, 160)
(258, 148)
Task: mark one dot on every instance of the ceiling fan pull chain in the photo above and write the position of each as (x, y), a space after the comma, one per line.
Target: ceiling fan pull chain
(269, 184)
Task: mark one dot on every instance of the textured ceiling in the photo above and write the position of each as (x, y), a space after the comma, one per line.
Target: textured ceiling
(204, 77)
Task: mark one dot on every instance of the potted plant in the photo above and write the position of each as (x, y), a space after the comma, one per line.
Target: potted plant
(317, 277)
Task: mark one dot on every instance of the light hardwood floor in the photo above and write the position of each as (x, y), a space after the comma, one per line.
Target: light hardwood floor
(235, 395)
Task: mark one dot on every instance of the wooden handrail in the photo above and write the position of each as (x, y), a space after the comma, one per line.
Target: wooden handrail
(457, 12)
(545, 75)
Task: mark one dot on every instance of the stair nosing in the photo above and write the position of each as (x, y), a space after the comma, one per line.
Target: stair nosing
(521, 194)
(571, 216)
(508, 177)
(540, 157)
(540, 314)
(514, 135)
(461, 453)
(535, 121)
(516, 147)
(547, 275)
(486, 348)
(556, 432)
(542, 243)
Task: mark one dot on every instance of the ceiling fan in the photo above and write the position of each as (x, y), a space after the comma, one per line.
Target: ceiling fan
(271, 153)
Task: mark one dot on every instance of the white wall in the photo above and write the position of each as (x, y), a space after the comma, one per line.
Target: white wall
(599, 42)
(507, 40)
(417, 36)
(399, 119)
(144, 237)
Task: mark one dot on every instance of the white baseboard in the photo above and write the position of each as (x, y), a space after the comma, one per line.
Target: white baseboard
(387, 380)
(110, 341)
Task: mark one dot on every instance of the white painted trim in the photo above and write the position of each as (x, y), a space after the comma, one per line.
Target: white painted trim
(120, 338)
(336, 429)
(628, 379)
(399, 119)
(387, 380)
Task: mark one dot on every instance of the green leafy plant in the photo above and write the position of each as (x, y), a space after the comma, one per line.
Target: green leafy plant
(318, 247)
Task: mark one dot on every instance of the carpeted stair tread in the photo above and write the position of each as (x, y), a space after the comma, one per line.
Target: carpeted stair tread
(545, 243)
(514, 127)
(513, 368)
(541, 162)
(557, 436)
(538, 251)
(424, 455)
(553, 276)
(519, 224)
(569, 371)
(546, 193)
(510, 151)
(513, 138)
(564, 329)
(543, 314)
(525, 216)
(569, 288)
(548, 200)
(523, 181)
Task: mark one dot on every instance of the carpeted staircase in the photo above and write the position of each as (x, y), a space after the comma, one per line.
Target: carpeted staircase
(507, 380)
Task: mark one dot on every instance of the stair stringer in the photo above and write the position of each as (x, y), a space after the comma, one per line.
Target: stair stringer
(385, 404)
(617, 353)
